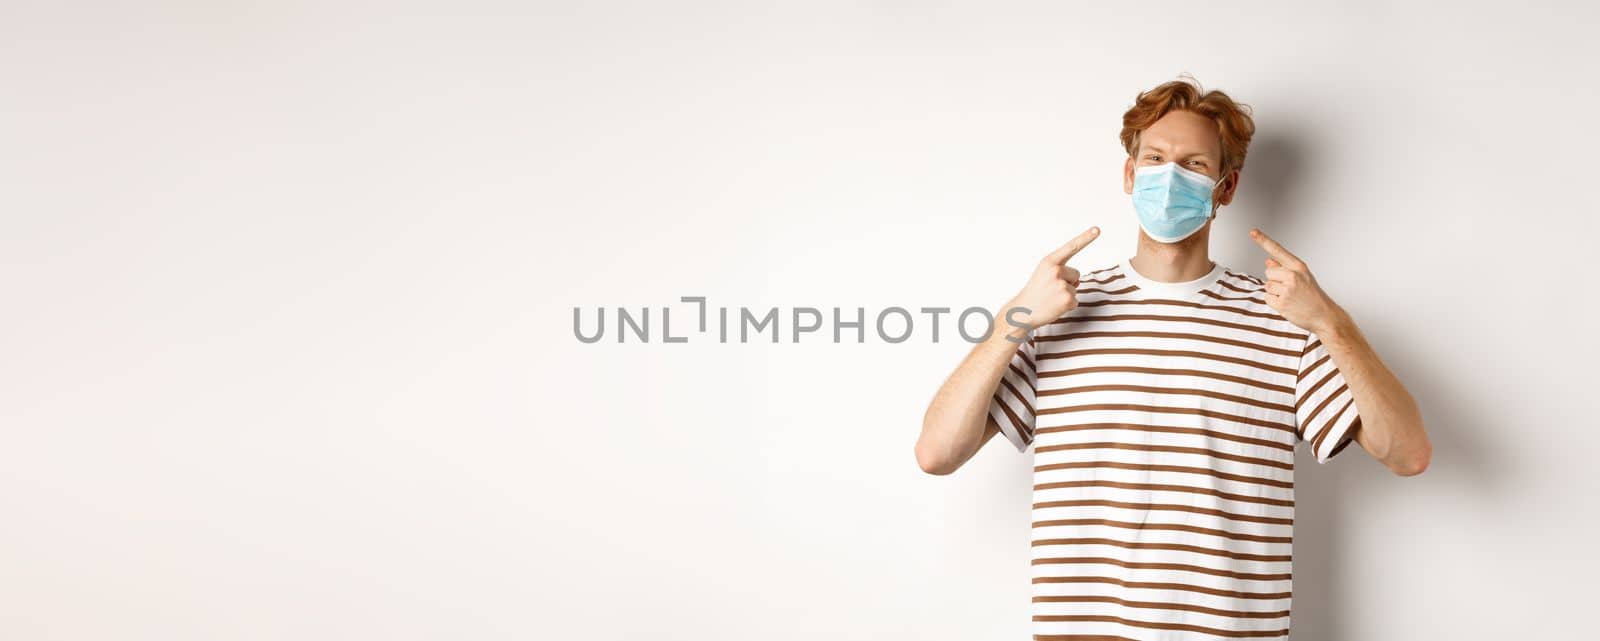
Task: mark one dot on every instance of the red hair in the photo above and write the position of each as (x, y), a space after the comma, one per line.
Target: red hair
(1234, 124)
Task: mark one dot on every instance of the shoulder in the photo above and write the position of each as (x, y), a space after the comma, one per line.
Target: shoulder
(1102, 283)
(1105, 281)
(1241, 282)
(1100, 275)
(1248, 292)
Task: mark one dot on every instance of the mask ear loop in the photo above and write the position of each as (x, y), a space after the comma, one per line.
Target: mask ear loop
(1214, 189)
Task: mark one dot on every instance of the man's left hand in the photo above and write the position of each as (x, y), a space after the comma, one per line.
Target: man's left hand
(1292, 291)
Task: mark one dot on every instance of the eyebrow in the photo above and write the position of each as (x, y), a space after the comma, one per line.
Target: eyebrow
(1162, 150)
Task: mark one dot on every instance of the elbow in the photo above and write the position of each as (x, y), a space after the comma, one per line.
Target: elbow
(1414, 463)
(1410, 468)
(932, 462)
(933, 457)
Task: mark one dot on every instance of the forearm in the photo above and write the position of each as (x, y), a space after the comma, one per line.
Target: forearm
(953, 427)
(1391, 424)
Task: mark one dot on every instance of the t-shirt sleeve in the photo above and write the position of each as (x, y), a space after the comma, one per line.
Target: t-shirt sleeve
(1324, 408)
(1013, 401)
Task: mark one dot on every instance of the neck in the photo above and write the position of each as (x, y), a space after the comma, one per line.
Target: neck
(1178, 262)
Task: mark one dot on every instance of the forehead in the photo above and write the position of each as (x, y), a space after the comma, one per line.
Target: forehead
(1182, 132)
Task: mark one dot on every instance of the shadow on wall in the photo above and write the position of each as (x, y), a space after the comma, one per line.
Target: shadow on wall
(1330, 496)
(1267, 185)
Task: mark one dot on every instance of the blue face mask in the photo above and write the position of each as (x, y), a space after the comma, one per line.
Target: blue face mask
(1173, 203)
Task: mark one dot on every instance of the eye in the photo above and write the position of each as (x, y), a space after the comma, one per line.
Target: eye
(1155, 157)
(1197, 163)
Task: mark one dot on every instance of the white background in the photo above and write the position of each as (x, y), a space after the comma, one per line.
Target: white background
(288, 291)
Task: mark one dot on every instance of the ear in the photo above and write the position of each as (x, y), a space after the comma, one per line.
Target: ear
(1226, 195)
(1127, 175)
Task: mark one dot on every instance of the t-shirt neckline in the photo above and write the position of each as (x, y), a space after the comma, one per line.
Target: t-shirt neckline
(1156, 289)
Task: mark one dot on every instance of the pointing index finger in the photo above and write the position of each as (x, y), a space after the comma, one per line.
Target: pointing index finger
(1274, 249)
(1064, 252)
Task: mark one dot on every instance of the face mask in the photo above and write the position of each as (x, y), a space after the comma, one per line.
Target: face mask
(1172, 202)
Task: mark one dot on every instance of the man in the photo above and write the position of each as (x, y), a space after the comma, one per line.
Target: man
(1164, 396)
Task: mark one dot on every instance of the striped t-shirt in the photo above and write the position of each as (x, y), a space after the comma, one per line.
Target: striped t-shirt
(1163, 419)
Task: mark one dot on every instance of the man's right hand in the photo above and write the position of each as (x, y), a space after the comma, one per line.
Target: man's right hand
(1052, 290)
